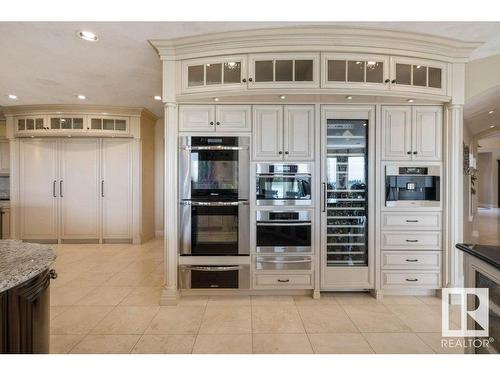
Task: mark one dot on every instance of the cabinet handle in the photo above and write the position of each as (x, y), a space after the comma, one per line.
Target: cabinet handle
(61, 188)
(387, 80)
(412, 280)
(412, 221)
(415, 152)
(102, 188)
(217, 123)
(280, 152)
(283, 280)
(411, 240)
(250, 79)
(286, 152)
(412, 260)
(244, 80)
(211, 122)
(53, 274)
(54, 189)
(324, 197)
(408, 152)
(393, 81)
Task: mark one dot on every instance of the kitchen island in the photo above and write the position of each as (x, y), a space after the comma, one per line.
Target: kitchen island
(24, 296)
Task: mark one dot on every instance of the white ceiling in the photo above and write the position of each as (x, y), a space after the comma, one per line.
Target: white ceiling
(45, 63)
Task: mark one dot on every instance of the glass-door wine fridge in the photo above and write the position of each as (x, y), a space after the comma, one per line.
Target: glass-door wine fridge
(347, 191)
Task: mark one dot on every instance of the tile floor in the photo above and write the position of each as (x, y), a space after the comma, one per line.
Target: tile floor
(488, 223)
(105, 300)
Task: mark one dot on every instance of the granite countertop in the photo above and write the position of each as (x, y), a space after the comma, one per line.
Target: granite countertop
(487, 253)
(21, 261)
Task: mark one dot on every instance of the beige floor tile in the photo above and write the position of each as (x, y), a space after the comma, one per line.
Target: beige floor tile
(111, 266)
(78, 319)
(420, 318)
(276, 319)
(272, 300)
(434, 340)
(106, 296)
(126, 278)
(226, 319)
(199, 301)
(89, 279)
(430, 300)
(126, 320)
(454, 314)
(63, 277)
(164, 344)
(281, 344)
(62, 344)
(309, 301)
(106, 344)
(374, 318)
(355, 299)
(223, 344)
(397, 343)
(232, 301)
(67, 295)
(143, 296)
(339, 343)
(57, 310)
(325, 319)
(153, 280)
(176, 320)
(401, 300)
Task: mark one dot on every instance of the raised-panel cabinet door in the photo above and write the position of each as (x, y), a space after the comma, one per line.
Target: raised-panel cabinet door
(299, 132)
(234, 118)
(79, 189)
(116, 193)
(197, 118)
(4, 157)
(396, 133)
(427, 130)
(268, 132)
(38, 189)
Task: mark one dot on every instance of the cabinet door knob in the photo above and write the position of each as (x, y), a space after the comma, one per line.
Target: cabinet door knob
(53, 274)
(217, 123)
(408, 152)
(415, 152)
(387, 80)
(286, 152)
(393, 81)
(244, 80)
(280, 152)
(250, 79)
(211, 122)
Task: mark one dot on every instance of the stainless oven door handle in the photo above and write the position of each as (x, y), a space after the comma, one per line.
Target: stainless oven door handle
(213, 204)
(214, 148)
(214, 268)
(271, 224)
(284, 261)
(295, 175)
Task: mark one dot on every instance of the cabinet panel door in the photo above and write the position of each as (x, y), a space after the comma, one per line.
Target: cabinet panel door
(6, 224)
(234, 118)
(268, 132)
(38, 189)
(79, 188)
(396, 133)
(299, 132)
(197, 118)
(4, 157)
(117, 189)
(427, 129)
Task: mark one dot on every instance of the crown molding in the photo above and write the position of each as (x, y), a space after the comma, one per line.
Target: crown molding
(20, 110)
(316, 38)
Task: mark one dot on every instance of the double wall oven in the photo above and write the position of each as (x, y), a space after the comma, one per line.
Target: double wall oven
(214, 208)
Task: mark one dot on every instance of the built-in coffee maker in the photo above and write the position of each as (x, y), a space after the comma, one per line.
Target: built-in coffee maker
(408, 186)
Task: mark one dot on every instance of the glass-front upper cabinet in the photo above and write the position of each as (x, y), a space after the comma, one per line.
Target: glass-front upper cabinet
(30, 124)
(358, 71)
(66, 123)
(108, 124)
(418, 75)
(214, 73)
(277, 70)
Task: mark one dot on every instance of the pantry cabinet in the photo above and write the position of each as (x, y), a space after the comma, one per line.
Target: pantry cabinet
(412, 133)
(215, 118)
(283, 132)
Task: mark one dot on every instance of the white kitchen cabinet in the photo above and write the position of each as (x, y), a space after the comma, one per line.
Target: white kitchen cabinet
(4, 156)
(5, 223)
(283, 70)
(79, 189)
(418, 75)
(411, 133)
(283, 132)
(268, 132)
(116, 190)
(299, 132)
(212, 118)
(38, 189)
(107, 125)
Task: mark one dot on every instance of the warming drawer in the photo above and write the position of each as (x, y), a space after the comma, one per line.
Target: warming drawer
(283, 263)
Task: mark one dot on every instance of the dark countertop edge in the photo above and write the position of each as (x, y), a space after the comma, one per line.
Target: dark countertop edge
(482, 252)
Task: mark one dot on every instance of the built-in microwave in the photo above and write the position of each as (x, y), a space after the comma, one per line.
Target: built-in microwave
(412, 186)
(283, 184)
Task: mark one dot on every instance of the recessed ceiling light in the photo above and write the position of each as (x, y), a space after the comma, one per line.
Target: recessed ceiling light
(89, 36)
(12, 96)
(491, 112)
(282, 97)
(410, 100)
(81, 97)
(492, 126)
(216, 99)
(157, 97)
(348, 97)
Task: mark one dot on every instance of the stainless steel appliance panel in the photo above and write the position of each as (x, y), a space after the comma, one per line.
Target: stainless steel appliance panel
(235, 276)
